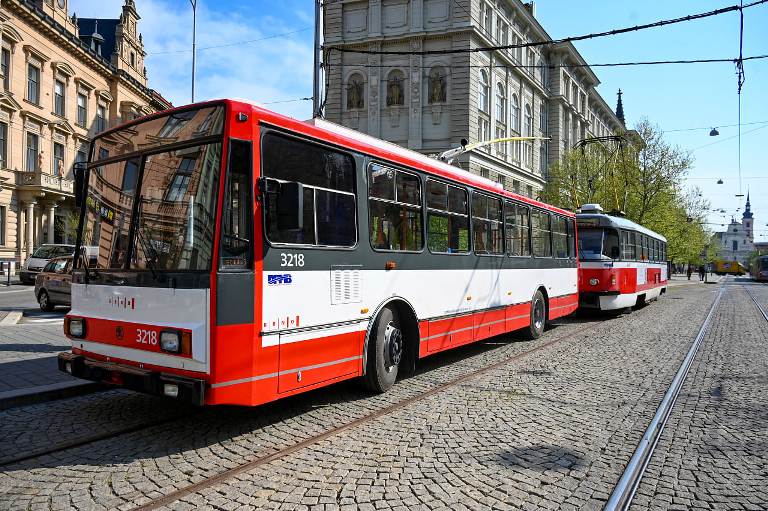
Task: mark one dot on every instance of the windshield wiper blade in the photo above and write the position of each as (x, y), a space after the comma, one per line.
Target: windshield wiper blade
(150, 253)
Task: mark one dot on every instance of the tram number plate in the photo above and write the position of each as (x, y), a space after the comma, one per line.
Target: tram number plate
(146, 336)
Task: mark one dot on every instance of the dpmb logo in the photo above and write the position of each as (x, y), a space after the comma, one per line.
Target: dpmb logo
(279, 280)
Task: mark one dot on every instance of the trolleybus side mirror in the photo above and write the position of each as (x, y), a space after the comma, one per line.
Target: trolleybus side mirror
(79, 172)
(290, 207)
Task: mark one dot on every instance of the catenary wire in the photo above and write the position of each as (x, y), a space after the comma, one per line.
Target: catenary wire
(234, 43)
(594, 35)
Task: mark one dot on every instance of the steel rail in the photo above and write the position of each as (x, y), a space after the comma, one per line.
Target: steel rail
(757, 304)
(625, 489)
(173, 496)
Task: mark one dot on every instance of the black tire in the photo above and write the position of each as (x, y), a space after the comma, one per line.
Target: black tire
(44, 301)
(538, 316)
(385, 350)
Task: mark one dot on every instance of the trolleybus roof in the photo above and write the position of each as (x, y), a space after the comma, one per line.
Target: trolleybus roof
(617, 222)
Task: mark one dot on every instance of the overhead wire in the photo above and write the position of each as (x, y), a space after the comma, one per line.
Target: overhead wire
(233, 43)
(529, 44)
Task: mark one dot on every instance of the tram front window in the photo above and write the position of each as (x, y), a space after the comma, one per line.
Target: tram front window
(597, 244)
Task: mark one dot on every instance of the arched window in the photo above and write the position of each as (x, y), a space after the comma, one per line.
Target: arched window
(395, 88)
(528, 133)
(735, 245)
(438, 86)
(501, 104)
(484, 92)
(515, 112)
(355, 92)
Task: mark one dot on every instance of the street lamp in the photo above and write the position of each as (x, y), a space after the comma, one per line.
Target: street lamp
(714, 132)
(194, 29)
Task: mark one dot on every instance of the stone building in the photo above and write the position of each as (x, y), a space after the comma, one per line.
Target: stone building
(737, 242)
(64, 80)
(429, 102)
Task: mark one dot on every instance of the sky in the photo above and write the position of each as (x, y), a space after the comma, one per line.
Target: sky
(263, 52)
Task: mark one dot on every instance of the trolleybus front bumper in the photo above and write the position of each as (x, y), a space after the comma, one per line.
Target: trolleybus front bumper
(189, 390)
(591, 299)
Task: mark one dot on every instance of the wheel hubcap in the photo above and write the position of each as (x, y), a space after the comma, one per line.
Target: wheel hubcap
(538, 314)
(393, 346)
(44, 300)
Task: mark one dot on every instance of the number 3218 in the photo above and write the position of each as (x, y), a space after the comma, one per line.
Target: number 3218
(291, 259)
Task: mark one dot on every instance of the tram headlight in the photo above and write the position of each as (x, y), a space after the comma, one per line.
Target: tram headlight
(170, 340)
(76, 327)
(594, 281)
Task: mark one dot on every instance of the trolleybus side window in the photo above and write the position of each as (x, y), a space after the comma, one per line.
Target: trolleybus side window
(237, 213)
(643, 247)
(327, 178)
(540, 234)
(560, 237)
(487, 226)
(395, 209)
(447, 218)
(518, 229)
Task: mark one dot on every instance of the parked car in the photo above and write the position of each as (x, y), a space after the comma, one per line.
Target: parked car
(53, 285)
(39, 258)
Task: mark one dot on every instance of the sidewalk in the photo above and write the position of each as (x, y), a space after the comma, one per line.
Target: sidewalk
(682, 279)
(28, 366)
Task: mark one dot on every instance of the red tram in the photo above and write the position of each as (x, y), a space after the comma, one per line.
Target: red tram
(621, 263)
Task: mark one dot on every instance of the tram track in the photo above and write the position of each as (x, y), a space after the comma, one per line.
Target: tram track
(266, 458)
(625, 489)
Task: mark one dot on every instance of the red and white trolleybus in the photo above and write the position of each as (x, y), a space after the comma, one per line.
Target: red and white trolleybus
(244, 256)
(621, 263)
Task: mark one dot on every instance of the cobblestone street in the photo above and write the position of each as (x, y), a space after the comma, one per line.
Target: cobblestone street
(552, 428)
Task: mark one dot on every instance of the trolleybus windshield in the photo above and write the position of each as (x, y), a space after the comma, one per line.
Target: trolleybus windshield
(152, 190)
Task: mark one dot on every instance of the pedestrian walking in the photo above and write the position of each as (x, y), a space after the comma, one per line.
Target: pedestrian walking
(689, 271)
(702, 272)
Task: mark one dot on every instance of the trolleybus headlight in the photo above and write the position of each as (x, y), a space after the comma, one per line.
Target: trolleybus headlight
(170, 340)
(594, 282)
(76, 327)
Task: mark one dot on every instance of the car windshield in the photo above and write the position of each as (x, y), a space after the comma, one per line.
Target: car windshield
(160, 206)
(48, 251)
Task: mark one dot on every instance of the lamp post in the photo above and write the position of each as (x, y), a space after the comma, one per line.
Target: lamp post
(194, 30)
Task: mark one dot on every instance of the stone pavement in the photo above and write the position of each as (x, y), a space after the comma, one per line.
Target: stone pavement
(552, 430)
(28, 365)
(713, 453)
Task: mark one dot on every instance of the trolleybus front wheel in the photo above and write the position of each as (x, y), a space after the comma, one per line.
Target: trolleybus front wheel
(538, 316)
(385, 350)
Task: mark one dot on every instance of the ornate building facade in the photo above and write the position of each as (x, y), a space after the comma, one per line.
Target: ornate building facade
(64, 80)
(429, 102)
(738, 241)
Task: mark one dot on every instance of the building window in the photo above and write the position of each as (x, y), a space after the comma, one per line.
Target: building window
(3, 145)
(133, 59)
(543, 72)
(58, 159)
(438, 86)
(515, 112)
(530, 61)
(58, 97)
(501, 104)
(543, 118)
(501, 147)
(355, 92)
(566, 131)
(5, 66)
(80, 157)
(502, 32)
(395, 89)
(483, 130)
(529, 191)
(33, 84)
(543, 150)
(484, 92)
(32, 151)
(528, 133)
(82, 109)
(575, 95)
(487, 17)
(3, 221)
(735, 245)
(516, 186)
(502, 180)
(566, 87)
(101, 118)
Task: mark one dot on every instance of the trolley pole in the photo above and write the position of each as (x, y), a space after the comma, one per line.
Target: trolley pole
(316, 100)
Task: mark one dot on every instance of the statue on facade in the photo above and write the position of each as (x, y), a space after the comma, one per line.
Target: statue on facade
(395, 95)
(39, 161)
(437, 88)
(355, 94)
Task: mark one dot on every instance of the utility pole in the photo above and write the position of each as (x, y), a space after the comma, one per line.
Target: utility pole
(317, 75)
(194, 30)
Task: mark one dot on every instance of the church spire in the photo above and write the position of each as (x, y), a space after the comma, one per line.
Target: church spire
(620, 109)
(747, 208)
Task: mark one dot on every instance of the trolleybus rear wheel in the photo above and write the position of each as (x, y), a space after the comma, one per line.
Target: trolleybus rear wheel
(538, 316)
(385, 350)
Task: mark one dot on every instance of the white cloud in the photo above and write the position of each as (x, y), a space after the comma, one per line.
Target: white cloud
(263, 71)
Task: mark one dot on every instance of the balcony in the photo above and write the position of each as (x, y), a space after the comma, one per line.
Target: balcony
(37, 181)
